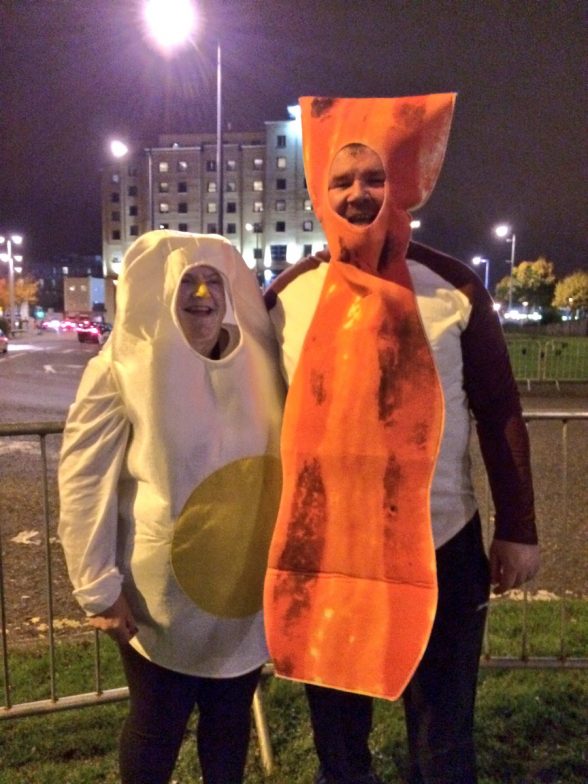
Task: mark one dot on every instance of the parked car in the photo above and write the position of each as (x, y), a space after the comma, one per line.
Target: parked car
(3, 342)
(93, 332)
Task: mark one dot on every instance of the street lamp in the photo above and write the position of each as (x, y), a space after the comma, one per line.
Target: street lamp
(502, 231)
(171, 24)
(476, 261)
(7, 257)
(415, 224)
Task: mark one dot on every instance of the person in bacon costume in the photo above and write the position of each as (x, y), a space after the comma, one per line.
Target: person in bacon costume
(378, 581)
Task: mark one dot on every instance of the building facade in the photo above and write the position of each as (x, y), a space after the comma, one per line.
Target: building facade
(267, 213)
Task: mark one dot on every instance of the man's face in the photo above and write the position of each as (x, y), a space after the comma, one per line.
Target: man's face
(357, 184)
(201, 307)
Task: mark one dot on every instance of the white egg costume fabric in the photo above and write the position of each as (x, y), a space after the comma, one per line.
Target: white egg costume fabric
(169, 477)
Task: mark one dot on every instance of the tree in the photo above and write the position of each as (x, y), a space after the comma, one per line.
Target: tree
(572, 292)
(25, 290)
(533, 282)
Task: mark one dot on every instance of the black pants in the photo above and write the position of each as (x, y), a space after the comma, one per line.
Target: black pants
(161, 702)
(439, 700)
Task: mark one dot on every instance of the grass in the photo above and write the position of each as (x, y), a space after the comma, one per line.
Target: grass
(530, 724)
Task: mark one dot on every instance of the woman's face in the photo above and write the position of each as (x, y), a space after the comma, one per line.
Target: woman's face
(201, 307)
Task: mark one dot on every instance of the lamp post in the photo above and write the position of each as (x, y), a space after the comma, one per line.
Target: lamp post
(502, 231)
(415, 223)
(476, 261)
(7, 257)
(171, 24)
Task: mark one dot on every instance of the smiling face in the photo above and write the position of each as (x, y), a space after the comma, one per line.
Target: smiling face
(357, 184)
(201, 307)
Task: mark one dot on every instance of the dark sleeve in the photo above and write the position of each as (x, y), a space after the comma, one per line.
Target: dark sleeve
(495, 403)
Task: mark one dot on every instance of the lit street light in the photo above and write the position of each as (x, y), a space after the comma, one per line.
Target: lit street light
(415, 224)
(171, 24)
(476, 261)
(503, 231)
(7, 257)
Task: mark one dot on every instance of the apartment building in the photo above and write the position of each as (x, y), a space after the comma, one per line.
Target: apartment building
(267, 213)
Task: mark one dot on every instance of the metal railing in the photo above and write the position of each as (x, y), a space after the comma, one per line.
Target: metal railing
(554, 360)
(100, 695)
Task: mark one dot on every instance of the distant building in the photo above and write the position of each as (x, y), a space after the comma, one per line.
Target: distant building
(83, 297)
(52, 274)
(267, 211)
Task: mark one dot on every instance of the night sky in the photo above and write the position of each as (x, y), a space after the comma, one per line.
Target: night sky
(76, 72)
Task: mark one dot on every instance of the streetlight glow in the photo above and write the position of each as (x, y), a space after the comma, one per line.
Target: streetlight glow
(7, 257)
(502, 231)
(415, 224)
(170, 23)
(118, 148)
(476, 261)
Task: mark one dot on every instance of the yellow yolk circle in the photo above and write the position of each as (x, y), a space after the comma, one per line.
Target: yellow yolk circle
(222, 537)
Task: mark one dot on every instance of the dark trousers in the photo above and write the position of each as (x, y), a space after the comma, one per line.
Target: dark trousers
(161, 702)
(439, 700)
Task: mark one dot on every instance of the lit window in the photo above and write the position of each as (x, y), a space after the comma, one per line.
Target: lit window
(307, 225)
(163, 187)
(281, 162)
(257, 206)
(278, 252)
(280, 205)
(258, 164)
(163, 226)
(280, 184)
(183, 207)
(280, 140)
(231, 166)
(257, 185)
(115, 177)
(163, 167)
(211, 207)
(307, 204)
(211, 186)
(182, 167)
(210, 166)
(231, 186)
(231, 228)
(163, 206)
(280, 225)
(231, 206)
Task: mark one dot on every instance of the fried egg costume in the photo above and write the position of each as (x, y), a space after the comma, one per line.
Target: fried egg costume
(169, 476)
(351, 589)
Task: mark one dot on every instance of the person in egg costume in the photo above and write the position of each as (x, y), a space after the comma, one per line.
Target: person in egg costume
(169, 482)
(378, 581)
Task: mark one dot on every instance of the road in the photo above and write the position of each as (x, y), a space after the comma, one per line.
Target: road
(39, 376)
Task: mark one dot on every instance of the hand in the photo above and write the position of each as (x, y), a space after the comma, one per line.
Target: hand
(512, 564)
(117, 621)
